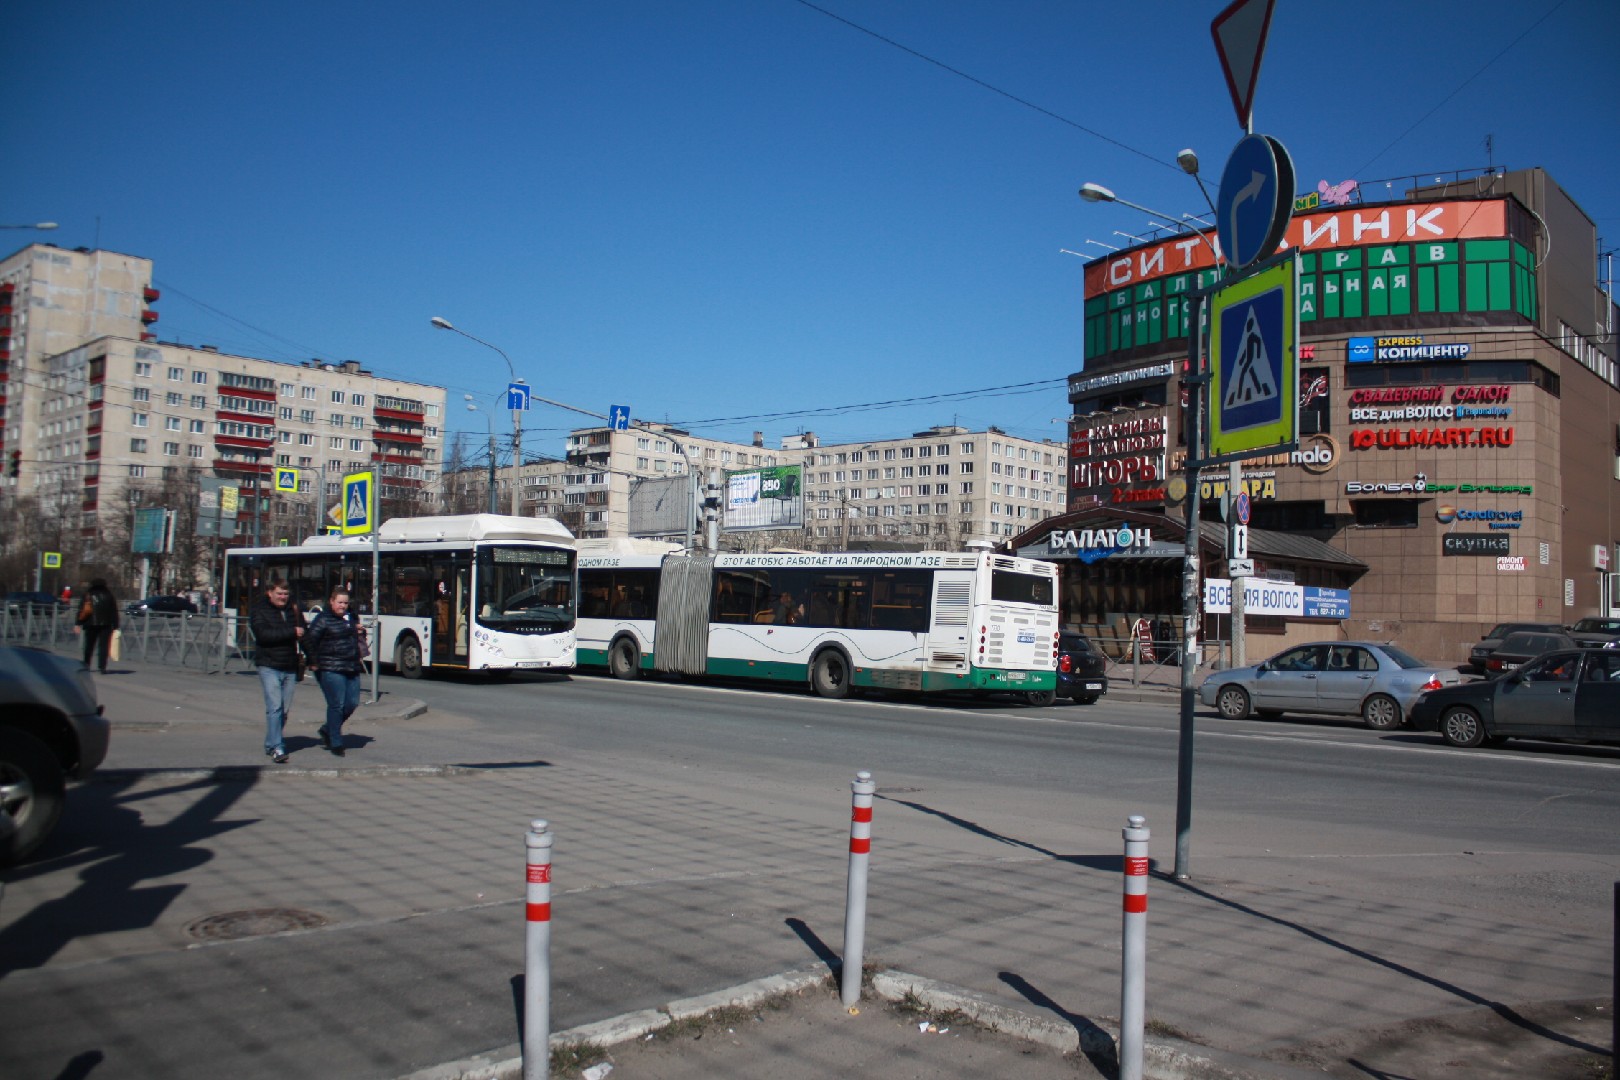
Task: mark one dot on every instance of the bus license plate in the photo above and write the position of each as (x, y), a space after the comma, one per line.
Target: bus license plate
(532, 663)
(1026, 637)
(1016, 676)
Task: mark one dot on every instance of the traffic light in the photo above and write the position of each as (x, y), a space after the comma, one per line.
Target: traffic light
(16, 463)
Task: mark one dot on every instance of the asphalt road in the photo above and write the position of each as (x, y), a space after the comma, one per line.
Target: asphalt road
(1341, 877)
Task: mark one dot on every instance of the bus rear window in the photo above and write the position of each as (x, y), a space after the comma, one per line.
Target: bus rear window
(1011, 587)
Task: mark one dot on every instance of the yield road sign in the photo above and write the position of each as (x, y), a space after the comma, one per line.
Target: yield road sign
(1254, 374)
(1256, 200)
(286, 479)
(1240, 41)
(517, 397)
(359, 503)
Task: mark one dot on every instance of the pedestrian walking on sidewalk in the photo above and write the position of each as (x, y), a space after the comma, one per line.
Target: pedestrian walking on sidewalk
(335, 646)
(98, 621)
(277, 624)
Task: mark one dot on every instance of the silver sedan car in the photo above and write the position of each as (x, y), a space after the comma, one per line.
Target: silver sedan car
(1379, 683)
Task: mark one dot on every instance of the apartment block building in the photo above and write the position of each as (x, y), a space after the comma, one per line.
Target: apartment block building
(122, 421)
(939, 487)
(51, 300)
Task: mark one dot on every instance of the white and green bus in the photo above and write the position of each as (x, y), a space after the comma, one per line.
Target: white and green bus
(478, 592)
(922, 621)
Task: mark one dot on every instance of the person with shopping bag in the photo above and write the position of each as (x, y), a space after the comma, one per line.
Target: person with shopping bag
(336, 646)
(98, 622)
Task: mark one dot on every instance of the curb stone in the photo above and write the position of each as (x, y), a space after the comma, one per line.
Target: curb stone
(1164, 1059)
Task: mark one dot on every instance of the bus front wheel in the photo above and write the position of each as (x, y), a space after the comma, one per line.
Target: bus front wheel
(624, 659)
(829, 675)
(408, 657)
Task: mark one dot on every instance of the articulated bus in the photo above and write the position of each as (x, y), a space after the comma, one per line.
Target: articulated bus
(480, 592)
(923, 621)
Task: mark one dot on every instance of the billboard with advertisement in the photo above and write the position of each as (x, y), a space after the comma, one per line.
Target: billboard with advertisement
(768, 497)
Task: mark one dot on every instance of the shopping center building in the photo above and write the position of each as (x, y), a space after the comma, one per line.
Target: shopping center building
(1460, 416)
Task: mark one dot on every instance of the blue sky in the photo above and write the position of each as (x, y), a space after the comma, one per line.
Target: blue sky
(711, 209)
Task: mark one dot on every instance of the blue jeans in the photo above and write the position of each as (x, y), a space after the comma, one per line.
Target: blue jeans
(278, 689)
(342, 698)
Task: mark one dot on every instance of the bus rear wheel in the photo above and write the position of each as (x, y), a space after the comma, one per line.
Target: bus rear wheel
(624, 660)
(408, 657)
(829, 675)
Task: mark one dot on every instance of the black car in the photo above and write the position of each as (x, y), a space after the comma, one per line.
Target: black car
(51, 730)
(1595, 631)
(1080, 669)
(1515, 649)
(1479, 656)
(17, 601)
(1571, 695)
(161, 605)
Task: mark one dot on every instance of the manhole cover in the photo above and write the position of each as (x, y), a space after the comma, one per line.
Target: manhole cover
(231, 925)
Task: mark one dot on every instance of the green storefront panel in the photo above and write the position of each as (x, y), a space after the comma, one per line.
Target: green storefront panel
(1097, 305)
(1448, 282)
(1307, 299)
(1331, 297)
(1393, 255)
(1485, 250)
(1353, 303)
(1425, 288)
(1475, 275)
(1345, 259)
(1377, 293)
(1400, 292)
(1501, 292)
(1429, 254)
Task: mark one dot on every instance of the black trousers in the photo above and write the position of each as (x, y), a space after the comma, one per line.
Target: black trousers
(97, 639)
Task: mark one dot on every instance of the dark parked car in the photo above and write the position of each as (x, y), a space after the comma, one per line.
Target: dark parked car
(1517, 648)
(161, 605)
(1595, 631)
(1080, 669)
(1570, 695)
(50, 729)
(18, 600)
(1479, 656)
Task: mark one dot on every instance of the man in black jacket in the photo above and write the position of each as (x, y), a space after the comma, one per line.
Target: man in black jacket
(98, 620)
(277, 625)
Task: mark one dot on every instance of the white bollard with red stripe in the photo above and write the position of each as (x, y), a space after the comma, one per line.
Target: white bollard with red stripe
(860, 849)
(1133, 970)
(537, 955)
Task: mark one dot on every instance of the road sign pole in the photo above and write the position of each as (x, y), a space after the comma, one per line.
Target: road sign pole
(1195, 380)
(1234, 485)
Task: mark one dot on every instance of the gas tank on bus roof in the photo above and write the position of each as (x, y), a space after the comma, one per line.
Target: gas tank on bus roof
(474, 527)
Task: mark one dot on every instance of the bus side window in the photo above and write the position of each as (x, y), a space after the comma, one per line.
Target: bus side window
(733, 597)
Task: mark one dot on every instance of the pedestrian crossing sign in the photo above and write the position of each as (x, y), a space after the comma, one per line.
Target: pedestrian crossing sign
(1254, 383)
(359, 503)
(286, 479)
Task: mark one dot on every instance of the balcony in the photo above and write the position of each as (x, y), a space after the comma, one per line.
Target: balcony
(149, 316)
(411, 438)
(263, 468)
(150, 294)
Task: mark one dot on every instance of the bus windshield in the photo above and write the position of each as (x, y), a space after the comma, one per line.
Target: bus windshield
(1013, 587)
(525, 590)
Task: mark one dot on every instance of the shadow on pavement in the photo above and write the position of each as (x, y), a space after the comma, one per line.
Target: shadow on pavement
(1095, 1043)
(118, 851)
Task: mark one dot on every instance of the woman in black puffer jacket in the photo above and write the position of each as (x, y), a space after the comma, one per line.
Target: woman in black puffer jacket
(332, 644)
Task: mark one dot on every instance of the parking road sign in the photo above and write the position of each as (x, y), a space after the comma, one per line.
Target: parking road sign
(1254, 383)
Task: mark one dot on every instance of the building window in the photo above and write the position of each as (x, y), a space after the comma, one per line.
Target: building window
(172, 398)
(199, 401)
(285, 412)
(143, 370)
(194, 451)
(137, 446)
(967, 466)
(357, 422)
(140, 419)
(967, 448)
(177, 374)
(967, 488)
(337, 397)
(355, 445)
(1385, 513)
(306, 416)
(308, 393)
(143, 394)
(357, 399)
(137, 471)
(171, 423)
(335, 419)
(171, 449)
(199, 377)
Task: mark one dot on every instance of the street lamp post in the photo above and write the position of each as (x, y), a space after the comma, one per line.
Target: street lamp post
(517, 415)
(472, 407)
(1194, 378)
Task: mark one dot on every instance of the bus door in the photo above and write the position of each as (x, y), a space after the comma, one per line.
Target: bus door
(452, 603)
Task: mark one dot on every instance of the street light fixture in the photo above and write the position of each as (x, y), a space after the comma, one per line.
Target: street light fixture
(517, 414)
(42, 226)
(1194, 378)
